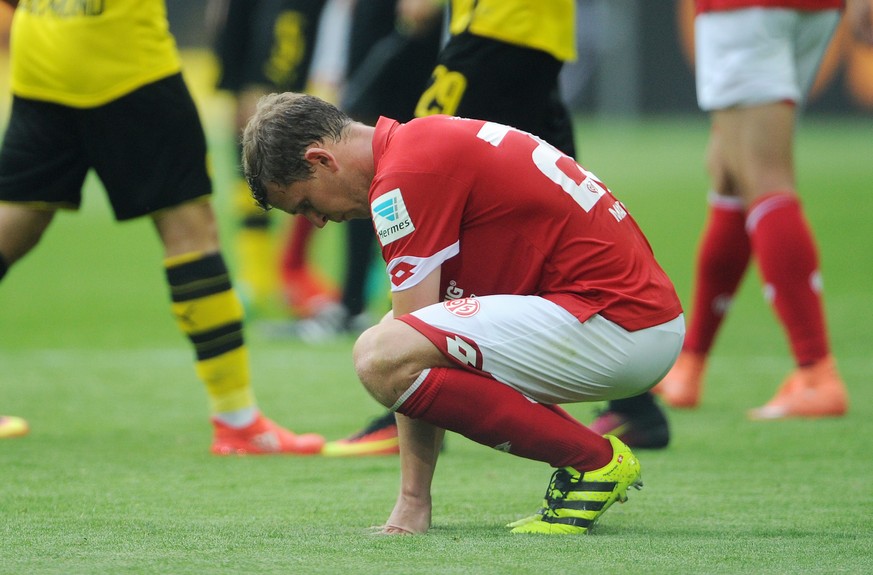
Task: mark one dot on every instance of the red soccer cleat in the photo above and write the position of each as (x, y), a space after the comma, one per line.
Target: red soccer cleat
(263, 436)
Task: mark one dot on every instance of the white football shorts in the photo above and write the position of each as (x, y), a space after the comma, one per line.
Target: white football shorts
(756, 56)
(544, 352)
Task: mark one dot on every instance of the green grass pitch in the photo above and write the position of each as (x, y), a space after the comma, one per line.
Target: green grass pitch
(116, 477)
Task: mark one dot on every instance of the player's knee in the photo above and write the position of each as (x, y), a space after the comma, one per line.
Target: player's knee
(375, 365)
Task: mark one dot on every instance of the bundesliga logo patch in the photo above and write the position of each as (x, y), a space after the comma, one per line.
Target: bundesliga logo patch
(390, 217)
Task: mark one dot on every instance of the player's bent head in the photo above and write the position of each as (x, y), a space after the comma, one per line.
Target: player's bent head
(278, 134)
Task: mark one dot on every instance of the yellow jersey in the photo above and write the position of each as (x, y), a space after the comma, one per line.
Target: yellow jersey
(547, 25)
(86, 53)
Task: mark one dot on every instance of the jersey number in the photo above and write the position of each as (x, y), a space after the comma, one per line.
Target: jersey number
(444, 93)
(581, 184)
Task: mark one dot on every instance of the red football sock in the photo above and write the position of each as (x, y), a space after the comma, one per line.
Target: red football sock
(495, 415)
(722, 259)
(294, 254)
(788, 259)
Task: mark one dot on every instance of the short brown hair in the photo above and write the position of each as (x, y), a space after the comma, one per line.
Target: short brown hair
(278, 134)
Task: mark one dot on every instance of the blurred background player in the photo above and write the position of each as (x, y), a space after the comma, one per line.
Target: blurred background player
(389, 58)
(80, 103)
(501, 63)
(267, 46)
(755, 64)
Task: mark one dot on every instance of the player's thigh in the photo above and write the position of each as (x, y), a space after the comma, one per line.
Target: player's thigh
(21, 227)
(545, 352)
(757, 143)
(149, 149)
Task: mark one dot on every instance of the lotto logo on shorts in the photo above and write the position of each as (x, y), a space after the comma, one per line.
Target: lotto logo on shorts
(466, 307)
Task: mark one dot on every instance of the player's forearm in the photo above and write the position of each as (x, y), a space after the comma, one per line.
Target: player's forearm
(419, 447)
(423, 294)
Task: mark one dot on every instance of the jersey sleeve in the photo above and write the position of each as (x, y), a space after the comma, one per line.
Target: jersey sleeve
(417, 218)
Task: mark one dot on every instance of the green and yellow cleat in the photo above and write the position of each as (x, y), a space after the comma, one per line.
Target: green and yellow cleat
(575, 501)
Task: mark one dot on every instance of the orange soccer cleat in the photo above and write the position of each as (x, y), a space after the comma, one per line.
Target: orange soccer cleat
(808, 392)
(307, 292)
(683, 384)
(263, 436)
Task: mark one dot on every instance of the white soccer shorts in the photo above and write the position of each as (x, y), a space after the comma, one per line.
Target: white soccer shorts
(544, 352)
(757, 56)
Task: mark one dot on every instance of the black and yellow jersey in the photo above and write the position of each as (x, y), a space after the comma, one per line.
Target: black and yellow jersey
(85, 53)
(547, 25)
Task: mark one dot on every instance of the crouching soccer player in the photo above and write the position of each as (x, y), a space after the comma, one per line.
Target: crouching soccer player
(519, 283)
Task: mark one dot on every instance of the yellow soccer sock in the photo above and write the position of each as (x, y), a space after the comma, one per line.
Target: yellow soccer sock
(210, 314)
(256, 251)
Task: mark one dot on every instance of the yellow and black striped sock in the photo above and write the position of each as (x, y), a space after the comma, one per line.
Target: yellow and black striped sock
(209, 312)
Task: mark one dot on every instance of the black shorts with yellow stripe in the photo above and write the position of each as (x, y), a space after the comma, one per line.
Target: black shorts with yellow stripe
(147, 147)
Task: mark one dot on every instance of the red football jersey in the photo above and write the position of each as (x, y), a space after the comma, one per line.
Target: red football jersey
(503, 212)
(721, 5)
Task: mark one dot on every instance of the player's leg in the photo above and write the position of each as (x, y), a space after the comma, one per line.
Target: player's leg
(785, 248)
(254, 243)
(265, 47)
(758, 140)
(42, 169)
(21, 228)
(169, 182)
(307, 292)
(723, 257)
(474, 405)
(458, 393)
(209, 313)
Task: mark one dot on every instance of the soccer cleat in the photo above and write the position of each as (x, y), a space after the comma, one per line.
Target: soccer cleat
(330, 323)
(12, 426)
(378, 438)
(807, 392)
(574, 501)
(682, 385)
(263, 436)
(648, 430)
(307, 293)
